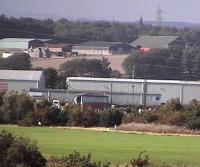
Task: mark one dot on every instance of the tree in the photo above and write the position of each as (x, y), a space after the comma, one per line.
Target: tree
(18, 61)
(84, 68)
(190, 64)
(16, 107)
(51, 77)
(18, 151)
(156, 64)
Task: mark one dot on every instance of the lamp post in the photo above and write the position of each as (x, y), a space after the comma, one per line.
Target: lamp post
(111, 91)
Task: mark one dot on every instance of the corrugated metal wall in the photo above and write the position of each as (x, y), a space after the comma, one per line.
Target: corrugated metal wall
(13, 44)
(147, 92)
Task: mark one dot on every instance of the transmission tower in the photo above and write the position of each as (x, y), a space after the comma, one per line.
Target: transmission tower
(159, 15)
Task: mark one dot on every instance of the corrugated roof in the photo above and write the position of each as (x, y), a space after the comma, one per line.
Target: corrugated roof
(99, 44)
(133, 80)
(59, 45)
(44, 40)
(17, 39)
(22, 40)
(93, 94)
(20, 75)
(154, 41)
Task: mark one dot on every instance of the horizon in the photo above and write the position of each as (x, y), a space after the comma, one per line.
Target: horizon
(95, 10)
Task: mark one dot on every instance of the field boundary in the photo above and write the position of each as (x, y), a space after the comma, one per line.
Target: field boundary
(103, 129)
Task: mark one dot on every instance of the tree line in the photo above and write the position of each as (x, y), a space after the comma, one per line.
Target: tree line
(81, 31)
(173, 64)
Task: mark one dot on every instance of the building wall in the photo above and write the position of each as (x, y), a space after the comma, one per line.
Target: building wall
(92, 51)
(178, 43)
(147, 92)
(41, 82)
(14, 45)
(35, 44)
(50, 94)
(122, 49)
(21, 44)
(19, 86)
(56, 50)
(94, 99)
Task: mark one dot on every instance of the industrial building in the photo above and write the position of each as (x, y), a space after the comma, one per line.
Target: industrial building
(49, 94)
(20, 43)
(135, 91)
(59, 48)
(20, 81)
(146, 42)
(102, 48)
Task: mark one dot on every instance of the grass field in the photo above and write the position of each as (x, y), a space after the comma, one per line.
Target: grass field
(115, 147)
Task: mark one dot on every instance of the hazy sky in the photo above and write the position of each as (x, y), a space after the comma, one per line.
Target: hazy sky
(120, 10)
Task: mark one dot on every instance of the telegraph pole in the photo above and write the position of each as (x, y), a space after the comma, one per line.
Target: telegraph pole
(111, 92)
(67, 88)
(133, 96)
(133, 72)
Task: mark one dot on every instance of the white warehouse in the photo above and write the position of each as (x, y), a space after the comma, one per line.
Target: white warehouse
(135, 91)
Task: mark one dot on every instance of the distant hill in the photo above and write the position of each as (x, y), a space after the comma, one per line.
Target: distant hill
(175, 24)
(164, 24)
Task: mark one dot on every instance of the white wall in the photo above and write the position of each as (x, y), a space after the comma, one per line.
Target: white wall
(92, 51)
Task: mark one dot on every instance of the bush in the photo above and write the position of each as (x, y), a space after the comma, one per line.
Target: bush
(75, 160)
(16, 106)
(134, 117)
(172, 106)
(19, 152)
(141, 161)
(111, 117)
(90, 118)
(75, 115)
(193, 124)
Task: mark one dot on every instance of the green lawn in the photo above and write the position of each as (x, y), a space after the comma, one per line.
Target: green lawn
(115, 147)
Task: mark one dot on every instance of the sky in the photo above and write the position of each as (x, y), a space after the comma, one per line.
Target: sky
(114, 10)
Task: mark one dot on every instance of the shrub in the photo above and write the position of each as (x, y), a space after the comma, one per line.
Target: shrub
(75, 115)
(152, 117)
(193, 124)
(134, 117)
(171, 106)
(90, 118)
(156, 128)
(16, 106)
(141, 161)
(75, 160)
(111, 117)
(19, 152)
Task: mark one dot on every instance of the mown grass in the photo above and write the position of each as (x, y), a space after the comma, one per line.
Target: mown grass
(115, 147)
